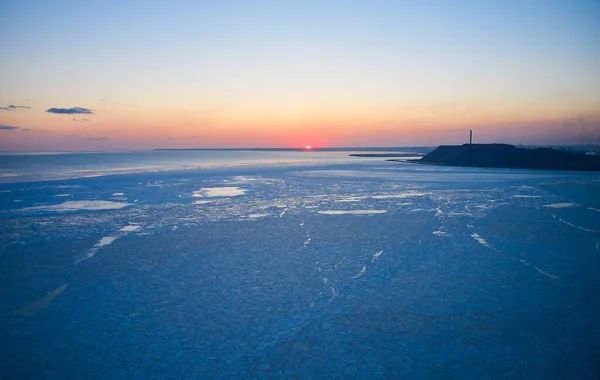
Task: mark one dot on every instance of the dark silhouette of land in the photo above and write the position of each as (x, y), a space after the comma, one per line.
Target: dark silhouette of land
(509, 156)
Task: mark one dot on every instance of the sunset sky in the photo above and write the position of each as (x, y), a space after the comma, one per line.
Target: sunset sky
(116, 75)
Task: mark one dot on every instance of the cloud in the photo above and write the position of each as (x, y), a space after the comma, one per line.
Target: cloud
(8, 128)
(70, 111)
(183, 138)
(97, 139)
(81, 119)
(11, 107)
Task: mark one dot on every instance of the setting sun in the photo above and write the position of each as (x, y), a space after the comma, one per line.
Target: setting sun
(308, 147)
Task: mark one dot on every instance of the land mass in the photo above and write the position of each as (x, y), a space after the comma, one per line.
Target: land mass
(509, 156)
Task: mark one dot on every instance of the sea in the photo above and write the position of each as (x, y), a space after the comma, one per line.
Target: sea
(273, 264)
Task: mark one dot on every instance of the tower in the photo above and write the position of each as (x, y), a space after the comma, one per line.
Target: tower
(470, 136)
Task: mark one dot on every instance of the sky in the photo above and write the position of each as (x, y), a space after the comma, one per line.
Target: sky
(122, 75)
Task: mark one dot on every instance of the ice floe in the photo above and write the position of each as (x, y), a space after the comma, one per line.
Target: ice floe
(201, 202)
(573, 225)
(560, 205)
(440, 233)
(351, 212)
(527, 196)
(376, 256)
(351, 199)
(334, 293)
(400, 196)
(78, 205)
(107, 240)
(228, 191)
(256, 216)
(360, 273)
(130, 228)
(481, 240)
(41, 303)
(550, 276)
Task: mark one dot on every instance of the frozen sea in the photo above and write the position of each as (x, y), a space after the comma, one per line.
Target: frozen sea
(215, 264)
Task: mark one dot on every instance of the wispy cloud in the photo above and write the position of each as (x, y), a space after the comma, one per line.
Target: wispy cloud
(97, 139)
(70, 111)
(11, 107)
(183, 138)
(81, 119)
(8, 128)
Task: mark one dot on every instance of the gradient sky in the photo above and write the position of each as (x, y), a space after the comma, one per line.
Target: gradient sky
(292, 73)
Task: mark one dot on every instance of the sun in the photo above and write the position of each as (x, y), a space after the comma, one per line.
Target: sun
(308, 147)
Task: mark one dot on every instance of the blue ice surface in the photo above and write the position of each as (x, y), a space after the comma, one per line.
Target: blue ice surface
(365, 269)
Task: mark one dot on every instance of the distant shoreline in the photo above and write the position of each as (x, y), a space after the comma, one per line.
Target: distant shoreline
(383, 155)
(415, 149)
